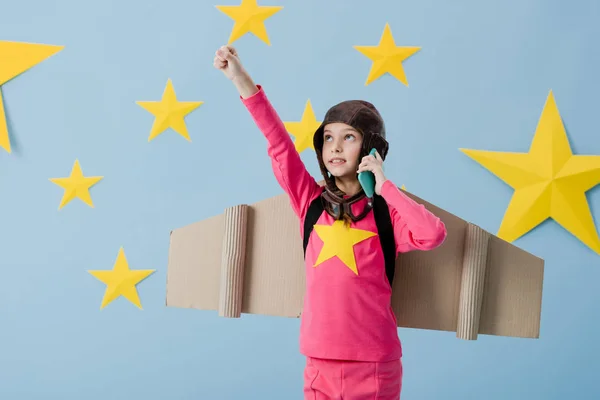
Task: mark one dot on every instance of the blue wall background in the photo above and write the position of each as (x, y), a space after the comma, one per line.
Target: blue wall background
(480, 81)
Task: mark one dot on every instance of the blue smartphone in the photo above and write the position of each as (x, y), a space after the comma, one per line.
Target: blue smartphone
(367, 180)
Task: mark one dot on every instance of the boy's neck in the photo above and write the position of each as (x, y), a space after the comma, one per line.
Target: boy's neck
(348, 185)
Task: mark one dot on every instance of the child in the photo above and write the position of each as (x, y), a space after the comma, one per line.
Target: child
(348, 328)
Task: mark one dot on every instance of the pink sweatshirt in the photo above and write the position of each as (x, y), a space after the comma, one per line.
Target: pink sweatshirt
(347, 313)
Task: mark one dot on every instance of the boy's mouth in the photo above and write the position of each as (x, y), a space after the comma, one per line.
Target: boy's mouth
(337, 161)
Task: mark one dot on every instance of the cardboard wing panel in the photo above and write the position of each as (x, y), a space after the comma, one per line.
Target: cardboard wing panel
(250, 260)
(274, 262)
(193, 273)
(272, 266)
(473, 283)
(512, 303)
(427, 284)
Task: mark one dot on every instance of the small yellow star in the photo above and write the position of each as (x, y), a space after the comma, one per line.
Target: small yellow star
(16, 58)
(169, 112)
(304, 130)
(249, 17)
(387, 57)
(548, 181)
(339, 240)
(76, 185)
(121, 281)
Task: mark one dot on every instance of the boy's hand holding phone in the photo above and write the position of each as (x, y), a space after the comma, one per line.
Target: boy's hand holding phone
(372, 163)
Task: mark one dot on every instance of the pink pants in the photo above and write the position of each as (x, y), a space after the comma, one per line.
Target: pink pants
(352, 380)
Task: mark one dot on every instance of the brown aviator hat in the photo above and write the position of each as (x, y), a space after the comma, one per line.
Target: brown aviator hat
(362, 116)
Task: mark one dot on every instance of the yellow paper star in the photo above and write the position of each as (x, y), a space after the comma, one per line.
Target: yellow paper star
(121, 281)
(339, 240)
(249, 17)
(387, 57)
(76, 185)
(169, 112)
(304, 130)
(16, 58)
(403, 187)
(549, 181)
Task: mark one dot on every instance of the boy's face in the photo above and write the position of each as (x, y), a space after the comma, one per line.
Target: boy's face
(341, 148)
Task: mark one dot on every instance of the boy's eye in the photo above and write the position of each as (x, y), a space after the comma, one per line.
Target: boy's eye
(349, 136)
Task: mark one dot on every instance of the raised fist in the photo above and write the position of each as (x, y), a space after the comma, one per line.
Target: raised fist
(227, 60)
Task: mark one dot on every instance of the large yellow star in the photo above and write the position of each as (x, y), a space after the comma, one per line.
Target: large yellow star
(121, 281)
(76, 185)
(169, 112)
(549, 181)
(387, 57)
(249, 17)
(304, 130)
(16, 58)
(339, 240)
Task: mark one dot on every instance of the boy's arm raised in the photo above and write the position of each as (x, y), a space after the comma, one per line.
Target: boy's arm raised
(245, 85)
(289, 170)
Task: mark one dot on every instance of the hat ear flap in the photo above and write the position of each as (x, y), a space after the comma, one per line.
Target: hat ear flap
(374, 140)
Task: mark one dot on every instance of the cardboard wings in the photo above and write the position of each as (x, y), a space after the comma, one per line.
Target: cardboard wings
(250, 260)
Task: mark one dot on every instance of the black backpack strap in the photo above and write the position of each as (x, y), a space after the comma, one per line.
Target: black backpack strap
(386, 235)
(312, 215)
(384, 228)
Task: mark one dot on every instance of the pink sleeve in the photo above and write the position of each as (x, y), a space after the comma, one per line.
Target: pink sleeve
(287, 165)
(415, 227)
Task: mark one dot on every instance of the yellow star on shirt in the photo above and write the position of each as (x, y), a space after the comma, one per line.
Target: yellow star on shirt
(304, 130)
(16, 58)
(339, 240)
(76, 186)
(169, 112)
(549, 181)
(249, 17)
(121, 281)
(387, 57)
